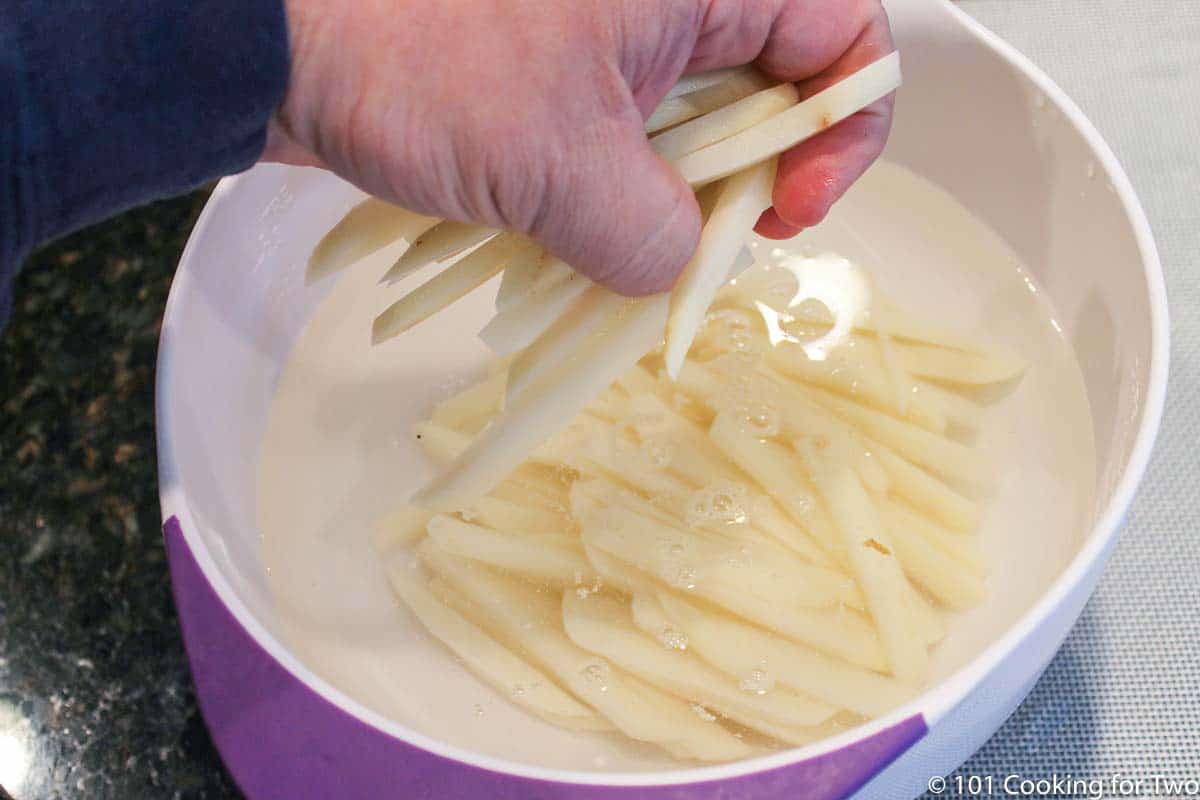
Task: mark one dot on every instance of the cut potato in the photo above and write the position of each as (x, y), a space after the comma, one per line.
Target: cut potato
(519, 326)
(473, 407)
(957, 366)
(962, 547)
(787, 129)
(490, 661)
(519, 277)
(605, 626)
(752, 654)
(681, 108)
(702, 80)
(505, 515)
(536, 415)
(369, 227)
(438, 243)
(872, 556)
(448, 286)
(532, 621)
(716, 125)
(402, 526)
(926, 492)
(741, 200)
(546, 558)
(777, 471)
(934, 570)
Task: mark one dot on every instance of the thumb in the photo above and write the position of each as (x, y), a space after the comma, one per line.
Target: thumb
(623, 216)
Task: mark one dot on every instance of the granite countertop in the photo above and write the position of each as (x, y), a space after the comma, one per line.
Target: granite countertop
(95, 696)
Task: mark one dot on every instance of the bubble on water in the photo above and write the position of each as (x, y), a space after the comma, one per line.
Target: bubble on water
(672, 638)
(778, 253)
(761, 419)
(597, 674)
(703, 713)
(469, 515)
(722, 502)
(521, 689)
(656, 451)
(578, 576)
(757, 681)
(1090, 170)
(582, 592)
(681, 576)
(478, 710)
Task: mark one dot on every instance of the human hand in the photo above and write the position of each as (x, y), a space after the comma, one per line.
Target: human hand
(529, 115)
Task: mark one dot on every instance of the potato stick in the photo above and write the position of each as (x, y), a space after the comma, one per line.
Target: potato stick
(517, 327)
(441, 444)
(702, 80)
(926, 492)
(619, 575)
(787, 129)
(739, 649)
(448, 286)
(843, 633)
(742, 578)
(936, 571)
(845, 373)
(581, 321)
(470, 409)
(605, 626)
(930, 624)
(500, 514)
(609, 406)
(946, 457)
(674, 110)
(537, 414)
(533, 622)
(959, 411)
(779, 473)
(742, 199)
(873, 558)
(369, 227)
(956, 366)
(964, 548)
(438, 243)
(403, 526)
(519, 277)
(724, 122)
(638, 381)
(547, 558)
(490, 661)
(516, 491)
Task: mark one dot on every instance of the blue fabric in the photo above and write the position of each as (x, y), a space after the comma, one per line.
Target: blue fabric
(105, 104)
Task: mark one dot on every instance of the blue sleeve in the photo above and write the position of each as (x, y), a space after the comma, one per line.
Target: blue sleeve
(105, 104)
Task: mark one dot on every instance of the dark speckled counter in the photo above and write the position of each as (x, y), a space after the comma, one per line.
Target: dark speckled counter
(95, 695)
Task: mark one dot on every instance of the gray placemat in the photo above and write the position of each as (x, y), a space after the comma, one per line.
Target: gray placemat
(1123, 695)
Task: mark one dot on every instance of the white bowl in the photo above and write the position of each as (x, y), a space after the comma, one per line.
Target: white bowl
(974, 117)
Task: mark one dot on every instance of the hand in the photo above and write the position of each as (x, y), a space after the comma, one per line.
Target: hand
(528, 114)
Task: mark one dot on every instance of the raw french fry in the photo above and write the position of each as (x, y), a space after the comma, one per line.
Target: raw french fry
(369, 227)
(441, 444)
(749, 580)
(957, 366)
(546, 558)
(946, 457)
(674, 110)
(619, 575)
(638, 381)
(724, 122)
(609, 406)
(926, 492)
(490, 661)
(532, 621)
(470, 409)
(403, 526)
(777, 471)
(605, 626)
(741, 200)
(519, 277)
(938, 573)
(740, 650)
(519, 326)
(702, 80)
(964, 548)
(436, 244)
(847, 375)
(505, 515)
(787, 129)
(448, 286)
(929, 622)
(873, 561)
(960, 412)
(536, 415)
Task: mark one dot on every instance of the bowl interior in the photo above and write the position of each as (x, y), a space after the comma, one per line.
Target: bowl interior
(969, 122)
